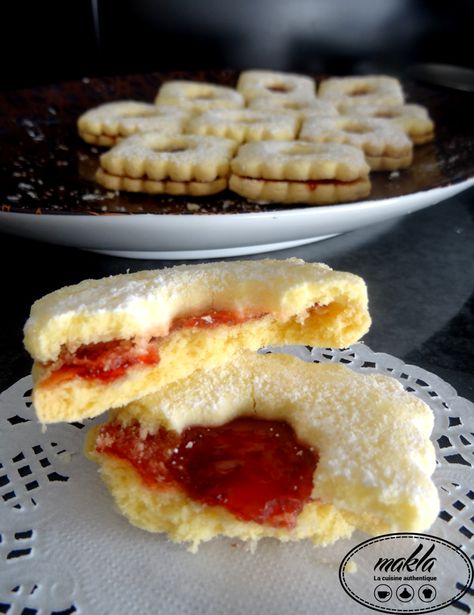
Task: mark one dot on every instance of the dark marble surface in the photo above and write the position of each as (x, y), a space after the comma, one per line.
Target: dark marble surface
(419, 270)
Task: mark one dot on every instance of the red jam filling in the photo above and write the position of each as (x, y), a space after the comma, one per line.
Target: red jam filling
(212, 319)
(104, 361)
(311, 183)
(278, 88)
(254, 468)
(107, 361)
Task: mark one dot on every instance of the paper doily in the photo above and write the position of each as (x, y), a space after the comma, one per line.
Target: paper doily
(64, 549)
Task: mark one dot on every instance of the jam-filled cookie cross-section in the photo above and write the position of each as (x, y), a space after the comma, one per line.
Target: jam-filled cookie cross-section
(103, 343)
(270, 446)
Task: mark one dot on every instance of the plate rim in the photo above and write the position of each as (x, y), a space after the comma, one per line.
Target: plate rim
(457, 187)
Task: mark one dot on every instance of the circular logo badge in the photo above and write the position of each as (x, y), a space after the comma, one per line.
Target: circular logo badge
(406, 573)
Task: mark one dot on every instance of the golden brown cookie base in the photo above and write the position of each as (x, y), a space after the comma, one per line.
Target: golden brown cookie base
(185, 520)
(421, 139)
(102, 140)
(312, 192)
(150, 186)
(375, 478)
(389, 163)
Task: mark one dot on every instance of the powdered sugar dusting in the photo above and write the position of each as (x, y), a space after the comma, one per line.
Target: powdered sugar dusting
(373, 134)
(371, 436)
(145, 302)
(245, 124)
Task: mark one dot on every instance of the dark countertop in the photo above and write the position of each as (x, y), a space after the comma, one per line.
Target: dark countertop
(419, 270)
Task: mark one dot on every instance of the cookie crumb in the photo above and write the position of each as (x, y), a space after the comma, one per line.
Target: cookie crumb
(192, 207)
(351, 567)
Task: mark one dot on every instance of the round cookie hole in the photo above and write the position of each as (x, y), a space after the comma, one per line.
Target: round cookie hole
(361, 90)
(387, 115)
(169, 150)
(356, 129)
(279, 88)
(202, 94)
(248, 120)
(138, 114)
(300, 149)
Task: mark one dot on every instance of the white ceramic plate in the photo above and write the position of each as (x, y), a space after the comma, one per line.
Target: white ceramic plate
(207, 236)
(48, 190)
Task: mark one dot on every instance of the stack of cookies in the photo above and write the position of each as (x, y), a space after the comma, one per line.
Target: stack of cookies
(274, 138)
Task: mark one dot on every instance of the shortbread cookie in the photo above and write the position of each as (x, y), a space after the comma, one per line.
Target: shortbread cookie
(275, 85)
(300, 106)
(371, 89)
(102, 343)
(298, 172)
(414, 119)
(385, 145)
(156, 163)
(198, 97)
(109, 123)
(244, 125)
(271, 446)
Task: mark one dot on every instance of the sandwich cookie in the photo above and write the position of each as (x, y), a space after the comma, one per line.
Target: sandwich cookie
(109, 123)
(413, 119)
(198, 97)
(385, 145)
(370, 89)
(274, 85)
(297, 172)
(171, 164)
(300, 106)
(244, 125)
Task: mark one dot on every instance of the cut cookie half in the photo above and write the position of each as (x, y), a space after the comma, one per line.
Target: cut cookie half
(103, 343)
(270, 446)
